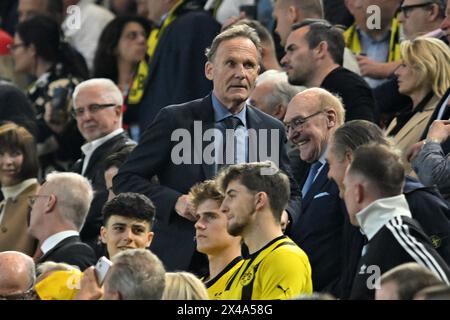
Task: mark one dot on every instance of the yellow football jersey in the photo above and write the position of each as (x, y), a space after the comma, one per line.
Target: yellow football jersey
(278, 271)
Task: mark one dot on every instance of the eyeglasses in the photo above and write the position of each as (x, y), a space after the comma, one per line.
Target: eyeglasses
(93, 108)
(299, 121)
(407, 9)
(32, 199)
(30, 294)
(13, 47)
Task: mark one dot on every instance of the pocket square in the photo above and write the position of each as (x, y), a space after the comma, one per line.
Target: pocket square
(320, 195)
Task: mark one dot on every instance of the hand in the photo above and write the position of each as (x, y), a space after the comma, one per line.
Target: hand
(284, 220)
(184, 208)
(89, 288)
(374, 69)
(439, 130)
(414, 150)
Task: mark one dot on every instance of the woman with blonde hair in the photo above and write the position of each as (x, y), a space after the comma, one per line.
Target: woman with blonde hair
(184, 286)
(424, 76)
(18, 172)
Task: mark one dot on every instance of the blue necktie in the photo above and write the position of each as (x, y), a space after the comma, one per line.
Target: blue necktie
(311, 176)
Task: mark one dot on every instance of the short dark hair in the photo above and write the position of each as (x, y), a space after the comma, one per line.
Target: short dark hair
(354, 134)
(410, 278)
(275, 185)
(130, 205)
(381, 166)
(207, 190)
(17, 138)
(118, 158)
(321, 30)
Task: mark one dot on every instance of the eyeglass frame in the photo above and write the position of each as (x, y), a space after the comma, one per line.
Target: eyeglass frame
(29, 294)
(93, 108)
(299, 121)
(32, 199)
(406, 10)
(12, 47)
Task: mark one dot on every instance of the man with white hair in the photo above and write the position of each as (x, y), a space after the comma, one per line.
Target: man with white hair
(58, 213)
(97, 108)
(17, 275)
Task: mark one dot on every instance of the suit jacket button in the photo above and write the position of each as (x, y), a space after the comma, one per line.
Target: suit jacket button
(4, 229)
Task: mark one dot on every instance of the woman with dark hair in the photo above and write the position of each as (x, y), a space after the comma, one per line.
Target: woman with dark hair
(39, 52)
(18, 172)
(122, 45)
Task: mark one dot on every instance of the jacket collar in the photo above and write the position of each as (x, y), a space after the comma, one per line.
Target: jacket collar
(372, 218)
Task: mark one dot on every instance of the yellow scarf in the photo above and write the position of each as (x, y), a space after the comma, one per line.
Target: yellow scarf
(137, 88)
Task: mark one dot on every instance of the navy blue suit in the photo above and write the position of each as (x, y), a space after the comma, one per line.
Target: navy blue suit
(174, 236)
(318, 230)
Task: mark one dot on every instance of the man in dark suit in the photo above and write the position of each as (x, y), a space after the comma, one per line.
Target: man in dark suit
(98, 111)
(233, 65)
(58, 212)
(311, 117)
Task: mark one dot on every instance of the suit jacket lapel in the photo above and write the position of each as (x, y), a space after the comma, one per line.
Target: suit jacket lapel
(255, 123)
(99, 152)
(204, 112)
(318, 184)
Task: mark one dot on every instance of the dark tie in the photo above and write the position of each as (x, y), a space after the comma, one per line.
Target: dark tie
(230, 123)
(311, 177)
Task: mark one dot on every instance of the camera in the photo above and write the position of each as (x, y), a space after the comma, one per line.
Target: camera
(101, 269)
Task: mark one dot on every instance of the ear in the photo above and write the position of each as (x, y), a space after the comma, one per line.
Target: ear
(292, 15)
(51, 203)
(434, 12)
(322, 49)
(149, 238)
(348, 157)
(209, 70)
(279, 110)
(359, 193)
(32, 47)
(331, 118)
(103, 234)
(261, 200)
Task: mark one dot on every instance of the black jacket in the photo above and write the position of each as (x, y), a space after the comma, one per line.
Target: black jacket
(399, 241)
(71, 251)
(95, 173)
(174, 235)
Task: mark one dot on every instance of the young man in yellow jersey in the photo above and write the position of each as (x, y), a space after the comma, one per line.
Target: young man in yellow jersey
(212, 237)
(255, 196)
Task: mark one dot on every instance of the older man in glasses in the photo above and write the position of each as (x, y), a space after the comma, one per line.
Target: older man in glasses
(310, 120)
(97, 108)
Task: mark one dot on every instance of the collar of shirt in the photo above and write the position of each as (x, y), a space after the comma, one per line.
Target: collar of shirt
(323, 161)
(434, 34)
(372, 218)
(89, 148)
(364, 36)
(220, 112)
(14, 191)
(53, 240)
